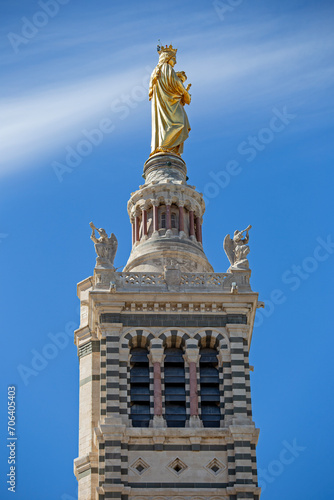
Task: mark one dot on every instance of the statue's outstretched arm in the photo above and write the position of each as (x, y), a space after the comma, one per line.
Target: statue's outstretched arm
(246, 239)
(92, 236)
(246, 230)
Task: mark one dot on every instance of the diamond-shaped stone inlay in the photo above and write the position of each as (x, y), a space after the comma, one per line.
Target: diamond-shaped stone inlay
(177, 466)
(139, 466)
(215, 467)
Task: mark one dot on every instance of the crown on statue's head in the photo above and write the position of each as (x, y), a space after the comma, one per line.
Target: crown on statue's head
(169, 50)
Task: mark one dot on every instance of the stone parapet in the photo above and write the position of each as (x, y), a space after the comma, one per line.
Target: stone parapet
(172, 279)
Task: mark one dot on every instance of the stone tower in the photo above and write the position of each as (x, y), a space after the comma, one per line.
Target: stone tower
(165, 404)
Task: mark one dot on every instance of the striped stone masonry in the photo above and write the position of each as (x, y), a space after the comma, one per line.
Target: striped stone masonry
(119, 460)
(86, 466)
(239, 365)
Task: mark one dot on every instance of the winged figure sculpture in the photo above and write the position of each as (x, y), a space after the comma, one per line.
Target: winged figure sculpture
(236, 249)
(105, 247)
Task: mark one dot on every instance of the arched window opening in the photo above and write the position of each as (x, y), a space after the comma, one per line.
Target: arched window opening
(163, 220)
(140, 388)
(209, 380)
(173, 221)
(175, 393)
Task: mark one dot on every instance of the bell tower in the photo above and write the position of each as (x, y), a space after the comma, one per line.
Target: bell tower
(166, 215)
(165, 403)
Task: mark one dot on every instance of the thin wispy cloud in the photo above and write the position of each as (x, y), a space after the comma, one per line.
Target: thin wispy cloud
(231, 70)
(45, 120)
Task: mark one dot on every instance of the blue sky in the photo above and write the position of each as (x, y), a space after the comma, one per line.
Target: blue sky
(261, 152)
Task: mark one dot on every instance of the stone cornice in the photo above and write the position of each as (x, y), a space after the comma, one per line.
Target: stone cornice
(85, 285)
(244, 433)
(171, 435)
(161, 192)
(83, 335)
(117, 488)
(85, 463)
(243, 488)
(241, 330)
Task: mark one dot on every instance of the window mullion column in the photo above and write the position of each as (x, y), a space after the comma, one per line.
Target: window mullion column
(191, 357)
(156, 358)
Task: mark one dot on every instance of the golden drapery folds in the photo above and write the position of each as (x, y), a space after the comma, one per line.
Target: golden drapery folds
(170, 125)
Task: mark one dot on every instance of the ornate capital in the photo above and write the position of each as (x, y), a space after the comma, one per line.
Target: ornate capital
(137, 210)
(157, 356)
(223, 357)
(144, 204)
(156, 352)
(191, 352)
(133, 212)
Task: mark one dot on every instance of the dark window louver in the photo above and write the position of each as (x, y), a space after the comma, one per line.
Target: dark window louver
(140, 388)
(175, 394)
(209, 383)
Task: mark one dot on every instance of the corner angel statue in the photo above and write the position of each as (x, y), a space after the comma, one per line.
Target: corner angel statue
(105, 247)
(237, 249)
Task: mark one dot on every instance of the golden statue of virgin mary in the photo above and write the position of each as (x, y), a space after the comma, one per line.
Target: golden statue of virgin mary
(170, 125)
